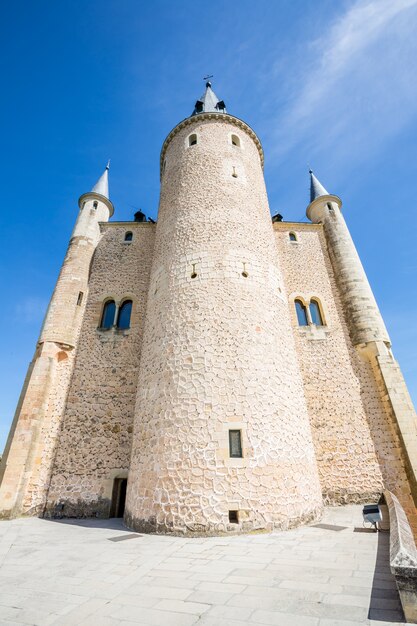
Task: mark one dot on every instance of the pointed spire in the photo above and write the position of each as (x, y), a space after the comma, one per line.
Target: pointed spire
(316, 188)
(102, 185)
(209, 102)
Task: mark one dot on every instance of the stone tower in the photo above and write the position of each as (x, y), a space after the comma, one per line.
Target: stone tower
(29, 452)
(218, 364)
(366, 327)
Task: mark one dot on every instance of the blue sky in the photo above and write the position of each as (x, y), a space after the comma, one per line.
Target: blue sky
(327, 84)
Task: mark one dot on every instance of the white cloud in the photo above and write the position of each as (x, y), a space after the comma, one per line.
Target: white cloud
(359, 83)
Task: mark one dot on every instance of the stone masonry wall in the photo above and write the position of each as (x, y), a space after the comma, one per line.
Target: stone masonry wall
(95, 439)
(218, 353)
(357, 447)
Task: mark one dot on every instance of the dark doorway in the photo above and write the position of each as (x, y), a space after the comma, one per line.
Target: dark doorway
(118, 499)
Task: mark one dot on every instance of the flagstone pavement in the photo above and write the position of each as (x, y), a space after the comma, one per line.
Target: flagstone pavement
(98, 573)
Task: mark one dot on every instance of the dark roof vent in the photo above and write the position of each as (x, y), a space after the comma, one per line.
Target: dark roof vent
(139, 216)
(221, 105)
(277, 218)
(198, 106)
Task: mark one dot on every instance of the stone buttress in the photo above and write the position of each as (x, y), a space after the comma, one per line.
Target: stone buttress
(218, 351)
(28, 458)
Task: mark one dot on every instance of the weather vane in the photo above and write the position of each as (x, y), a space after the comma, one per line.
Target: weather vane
(208, 76)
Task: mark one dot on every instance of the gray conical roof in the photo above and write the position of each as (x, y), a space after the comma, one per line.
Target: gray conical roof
(102, 185)
(209, 102)
(316, 188)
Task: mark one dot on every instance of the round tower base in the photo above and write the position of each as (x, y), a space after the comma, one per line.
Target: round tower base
(246, 523)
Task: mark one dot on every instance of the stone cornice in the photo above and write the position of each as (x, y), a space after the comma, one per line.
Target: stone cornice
(92, 195)
(296, 226)
(104, 225)
(211, 116)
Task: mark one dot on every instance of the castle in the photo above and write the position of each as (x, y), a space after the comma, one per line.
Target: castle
(216, 371)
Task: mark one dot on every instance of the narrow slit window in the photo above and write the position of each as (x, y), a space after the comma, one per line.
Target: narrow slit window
(235, 444)
(293, 237)
(128, 236)
(80, 298)
(235, 141)
(233, 517)
(109, 312)
(301, 313)
(95, 204)
(192, 140)
(123, 319)
(316, 316)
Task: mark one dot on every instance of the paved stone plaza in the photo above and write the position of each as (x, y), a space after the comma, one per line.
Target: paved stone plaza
(97, 573)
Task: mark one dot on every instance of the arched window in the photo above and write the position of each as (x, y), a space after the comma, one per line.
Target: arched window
(128, 236)
(192, 140)
(315, 313)
(123, 319)
(235, 141)
(95, 205)
(109, 311)
(293, 237)
(301, 313)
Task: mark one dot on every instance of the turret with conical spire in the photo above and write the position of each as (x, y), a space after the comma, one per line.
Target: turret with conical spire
(29, 451)
(214, 247)
(362, 312)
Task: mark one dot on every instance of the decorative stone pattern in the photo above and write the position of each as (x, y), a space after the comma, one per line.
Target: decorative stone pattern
(95, 439)
(358, 451)
(218, 354)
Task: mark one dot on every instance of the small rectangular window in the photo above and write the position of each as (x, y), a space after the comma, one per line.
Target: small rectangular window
(80, 298)
(233, 517)
(235, 444)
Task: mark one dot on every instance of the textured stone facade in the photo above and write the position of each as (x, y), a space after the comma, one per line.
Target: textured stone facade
(358, 451)
(214, 345)
(218, 353)
(96, 433)
(28, 459)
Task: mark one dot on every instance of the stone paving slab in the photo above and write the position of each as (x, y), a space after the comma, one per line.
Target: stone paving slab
(83, 573)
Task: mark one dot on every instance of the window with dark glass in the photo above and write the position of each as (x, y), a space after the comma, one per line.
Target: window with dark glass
(235, 443)
(192, 140)
(301, 313)
(293, 237)
(315, 313)
(109, 311)
(128, 236)
(123, 319)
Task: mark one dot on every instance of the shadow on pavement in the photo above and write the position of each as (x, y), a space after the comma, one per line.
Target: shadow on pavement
(385, 604)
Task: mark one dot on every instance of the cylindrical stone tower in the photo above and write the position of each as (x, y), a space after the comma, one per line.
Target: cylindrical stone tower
(362, 312)
(218, 366)
(366, 326)
(26, 464)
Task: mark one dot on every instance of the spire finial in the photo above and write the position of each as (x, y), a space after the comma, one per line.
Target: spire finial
(108, 165)
(207, 79)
